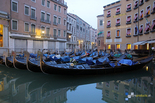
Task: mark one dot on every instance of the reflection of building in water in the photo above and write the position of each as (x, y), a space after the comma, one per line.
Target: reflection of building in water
(114, 91)
(13, 92)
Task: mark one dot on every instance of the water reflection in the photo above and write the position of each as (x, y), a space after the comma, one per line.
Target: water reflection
(21, 86)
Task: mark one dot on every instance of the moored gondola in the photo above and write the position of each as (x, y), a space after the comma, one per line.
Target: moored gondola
(8, 60)
(19, 62)
(85, 69)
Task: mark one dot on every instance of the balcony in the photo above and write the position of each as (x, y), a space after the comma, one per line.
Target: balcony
(147, 15)
(140, 34)
(129, 22)
(45, 21)
(33, 18)
(135, 21)
(135, 35)
(118, 24)
(141, 3)
(141, 19)
(128, 35)
(135, 7)
(146, 0)
(108, 26)
(108, 38)
(55, 36)
(153, 30)
(128, 10)
(4, 15)
(48, 35)
(33, 34)
(153, 11)
(54, 23)
(117, 13)
(146, 32)
(108, 16)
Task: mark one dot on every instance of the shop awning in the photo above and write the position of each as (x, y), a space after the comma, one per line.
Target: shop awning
(144, 42)
(140, 43)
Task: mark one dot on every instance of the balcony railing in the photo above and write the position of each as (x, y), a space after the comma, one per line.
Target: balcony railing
(33, 18)
(55, 36)
(45, 21)
(54, 23)
(32, 34)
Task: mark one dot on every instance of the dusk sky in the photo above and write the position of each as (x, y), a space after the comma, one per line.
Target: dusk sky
(87, 9)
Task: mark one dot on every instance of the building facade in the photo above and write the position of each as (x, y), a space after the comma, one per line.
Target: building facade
(93, 38)
(71, 33)
(129, 24)
(100, 32)
(33, 24)
(82, 33)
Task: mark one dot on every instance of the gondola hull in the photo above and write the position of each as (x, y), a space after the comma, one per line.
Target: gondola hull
(9, 62)
(87, 70)
(19, 64)
(33, 67)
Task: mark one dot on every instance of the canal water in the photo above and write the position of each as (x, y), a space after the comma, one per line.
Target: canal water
(21, 86)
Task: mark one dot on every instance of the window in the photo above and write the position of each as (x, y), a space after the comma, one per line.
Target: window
(117, 33)
(26, 10)
(1, 35)
(33, 12)
(108, 13)
(33, 0)
(48, 31)
(65, 11)
(55, 32)
(59, 20)
(42, 16)
(147, 27)
(141, 29)
(42, 30)
(99, 43)
(153, 25)
(108, 34)
(136, 47)
(109, 46)
(27, 27)
(117, 11)
(48, 18)
(59, 33)
(148, 10)
(64, 22)
(117, 46)
(128, 46)
(59, 8)
(136, 31)
(117, 22)
(128, 32)
(141, 14)
(101, 22)
(141, 2)
(14, 25)
(136, 4)
(55, 19)
(108, 23)
(33, 28)
(43, 2)
(136, 17)
(48, 4)
(64, 33)
(55, 7)
(128, 19)
(77, 27)
(128, 7)
(14, 6)
(153, 9)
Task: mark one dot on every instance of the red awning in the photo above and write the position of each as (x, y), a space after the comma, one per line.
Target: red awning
(147, 27)
(141, 28)
(108, 35)
(135, 17)
(128, 6)
(128, 31)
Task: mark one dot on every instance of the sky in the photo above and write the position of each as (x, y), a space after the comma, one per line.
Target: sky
(87, 9)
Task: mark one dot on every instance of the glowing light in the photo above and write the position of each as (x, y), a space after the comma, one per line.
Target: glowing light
(37, 36)
(69, 36)
(43, 32)
(147, 68)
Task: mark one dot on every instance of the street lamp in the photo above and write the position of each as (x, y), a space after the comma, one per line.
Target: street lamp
(43, 32)
(69, 36)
